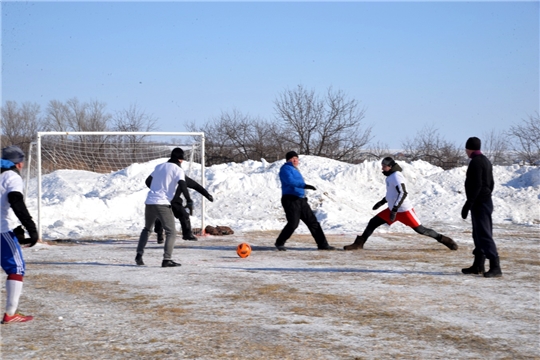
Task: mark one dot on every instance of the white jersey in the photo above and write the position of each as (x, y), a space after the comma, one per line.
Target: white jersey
(396, 193)
(10, 181)
(165, 178)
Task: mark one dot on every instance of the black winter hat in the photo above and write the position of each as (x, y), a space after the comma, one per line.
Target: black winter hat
(177, 154)
(290, 155)
(473, 143)
(388, 161)
(13, 153)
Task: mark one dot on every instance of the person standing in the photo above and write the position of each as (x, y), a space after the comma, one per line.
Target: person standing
(399, 209)
(165, 179)
(478, 188)
(179, 211)
(296, 206)
(12, 201)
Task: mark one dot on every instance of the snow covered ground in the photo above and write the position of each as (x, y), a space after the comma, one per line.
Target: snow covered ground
(403, 296)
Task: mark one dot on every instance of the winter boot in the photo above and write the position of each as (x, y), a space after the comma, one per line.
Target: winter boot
(449, 243)
(138, 260)
(477, 266)
(160, 238)
(169, 263)
(358, 244)
(327, 247)
(494, 268)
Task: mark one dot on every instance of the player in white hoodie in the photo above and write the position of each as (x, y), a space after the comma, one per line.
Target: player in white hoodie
(12, 202)
(399, 209)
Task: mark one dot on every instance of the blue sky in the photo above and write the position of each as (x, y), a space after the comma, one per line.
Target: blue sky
(465, 68)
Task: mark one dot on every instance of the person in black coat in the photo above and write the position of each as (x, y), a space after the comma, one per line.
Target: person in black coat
(478, 188)
(179, 210)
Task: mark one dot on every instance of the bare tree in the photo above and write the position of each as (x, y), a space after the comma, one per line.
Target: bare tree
(376, 151)
(429, 146)
(330, 127)
(20, 124)
(495, 146)
(526, 136)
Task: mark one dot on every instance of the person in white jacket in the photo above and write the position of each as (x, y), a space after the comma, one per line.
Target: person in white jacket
(399, 209)
(166, 178)
(12, 202)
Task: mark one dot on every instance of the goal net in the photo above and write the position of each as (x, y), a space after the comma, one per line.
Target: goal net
(106, 168)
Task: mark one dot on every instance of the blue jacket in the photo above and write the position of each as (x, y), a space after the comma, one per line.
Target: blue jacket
(292, 182)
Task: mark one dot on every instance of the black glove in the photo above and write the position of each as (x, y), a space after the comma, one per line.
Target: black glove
(309, 187)
(379, 204)
(189, 205)
(210, 198)
(33, 238)
(393, 214)
(19, 233)
(465, 210)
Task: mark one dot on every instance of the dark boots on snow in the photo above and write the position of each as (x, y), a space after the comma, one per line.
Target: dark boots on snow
(477, 267)
(160, 238)
(449, 243)
(358, 244)
(494, 268)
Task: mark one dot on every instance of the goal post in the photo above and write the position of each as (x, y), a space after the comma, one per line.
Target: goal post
(106, 152)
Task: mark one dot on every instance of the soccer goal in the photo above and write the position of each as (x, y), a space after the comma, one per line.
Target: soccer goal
(106, 153)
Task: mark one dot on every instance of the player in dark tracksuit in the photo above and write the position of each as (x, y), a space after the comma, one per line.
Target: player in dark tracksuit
(179, 211)
(295, 205)
(478, 188)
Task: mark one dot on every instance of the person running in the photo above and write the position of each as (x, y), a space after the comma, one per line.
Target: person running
(12, 201)
(179, 211)
(479, 185)
(296, 206)
(399, 209)
(165, 179)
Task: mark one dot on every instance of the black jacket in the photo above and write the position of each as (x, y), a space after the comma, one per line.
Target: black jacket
(479, 181)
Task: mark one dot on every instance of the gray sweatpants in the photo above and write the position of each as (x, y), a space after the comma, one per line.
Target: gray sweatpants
(165, 215)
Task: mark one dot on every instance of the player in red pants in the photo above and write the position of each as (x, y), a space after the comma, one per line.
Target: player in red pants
(399, 209)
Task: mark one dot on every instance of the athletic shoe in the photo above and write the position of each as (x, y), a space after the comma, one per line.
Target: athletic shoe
(169, 263)
(327, 247)
(138, 260)
(281, 248)
(190, 237)
(17, 317)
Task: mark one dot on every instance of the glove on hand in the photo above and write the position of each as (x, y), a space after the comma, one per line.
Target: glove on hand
(19, 233)
(189, 205)
(379, 204)
(210, 198)
(309, 187)
(465, 210)
(393, 214)
(33, 238)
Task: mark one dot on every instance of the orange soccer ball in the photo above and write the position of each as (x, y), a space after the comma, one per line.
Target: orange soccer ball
(243, 250)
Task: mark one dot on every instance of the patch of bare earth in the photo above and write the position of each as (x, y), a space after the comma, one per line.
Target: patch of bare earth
(401, 297)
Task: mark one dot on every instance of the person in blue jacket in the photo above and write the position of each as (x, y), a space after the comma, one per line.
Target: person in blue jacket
(296, 206)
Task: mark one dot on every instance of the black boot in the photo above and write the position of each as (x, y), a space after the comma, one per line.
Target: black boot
(494, 268)
(449, 243)
(477, 266)
(358, 244)
(160, 238)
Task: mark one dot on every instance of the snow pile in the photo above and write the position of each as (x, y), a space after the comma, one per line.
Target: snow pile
(81, 204)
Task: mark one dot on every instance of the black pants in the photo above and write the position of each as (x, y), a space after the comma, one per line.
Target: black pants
(482, 230)
(182, 215)
(297, 209)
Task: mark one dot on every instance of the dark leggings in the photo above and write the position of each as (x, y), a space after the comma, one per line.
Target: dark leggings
(376, 221)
